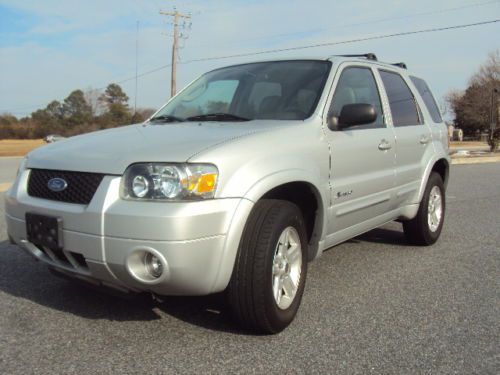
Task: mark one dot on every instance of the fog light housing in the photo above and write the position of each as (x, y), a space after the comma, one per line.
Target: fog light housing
(153, 264)
(147, 265)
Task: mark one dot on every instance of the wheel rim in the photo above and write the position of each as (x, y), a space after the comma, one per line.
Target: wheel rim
(287, 266)
(435, 208)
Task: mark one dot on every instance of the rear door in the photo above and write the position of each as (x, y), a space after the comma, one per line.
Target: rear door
(362, 158)
(413, 136)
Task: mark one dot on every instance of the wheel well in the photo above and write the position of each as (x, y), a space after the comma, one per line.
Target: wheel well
(442, 168)
(307, 198)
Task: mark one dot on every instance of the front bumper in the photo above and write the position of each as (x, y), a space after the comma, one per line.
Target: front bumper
(197, 240)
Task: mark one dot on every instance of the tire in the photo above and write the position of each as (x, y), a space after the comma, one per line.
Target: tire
(257, 277)
(421, 230)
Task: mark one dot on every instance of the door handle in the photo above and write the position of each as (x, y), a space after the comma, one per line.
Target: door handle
(384, 145)
(424, 139)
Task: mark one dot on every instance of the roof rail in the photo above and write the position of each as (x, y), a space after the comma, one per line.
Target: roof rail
(368, 56)
(400, 64)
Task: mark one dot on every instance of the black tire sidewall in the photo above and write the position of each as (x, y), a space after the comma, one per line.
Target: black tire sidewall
(430, 236)
(289, 217)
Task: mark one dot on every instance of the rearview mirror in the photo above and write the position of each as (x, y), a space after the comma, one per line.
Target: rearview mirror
(352, 115)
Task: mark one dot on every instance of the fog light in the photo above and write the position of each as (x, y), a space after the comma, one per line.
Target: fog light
(147, 266)
(153, 265)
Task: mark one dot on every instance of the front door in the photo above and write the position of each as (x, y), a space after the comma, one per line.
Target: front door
(362, 172)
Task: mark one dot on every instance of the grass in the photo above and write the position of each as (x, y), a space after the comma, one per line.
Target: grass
(18, 147)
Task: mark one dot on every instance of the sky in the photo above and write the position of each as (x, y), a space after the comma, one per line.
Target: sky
(50, 48)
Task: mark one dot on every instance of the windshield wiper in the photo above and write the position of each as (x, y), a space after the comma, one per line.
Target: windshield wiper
(217, 117)
(167, 118)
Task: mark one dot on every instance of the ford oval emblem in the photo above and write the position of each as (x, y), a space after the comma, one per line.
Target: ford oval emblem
(57, 184)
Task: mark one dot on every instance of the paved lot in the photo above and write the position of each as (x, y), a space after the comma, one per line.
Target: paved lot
(372, 305)
(8, 168)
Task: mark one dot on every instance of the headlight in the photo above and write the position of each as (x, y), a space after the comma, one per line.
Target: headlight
(163, 181)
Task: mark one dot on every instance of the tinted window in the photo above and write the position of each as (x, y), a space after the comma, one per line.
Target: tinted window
(281, 90)
(263, 92)
(428, 98)
(357, 85)
(215, 97)
(401, 100)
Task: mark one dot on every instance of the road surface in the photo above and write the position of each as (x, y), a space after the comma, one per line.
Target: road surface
(372, 305)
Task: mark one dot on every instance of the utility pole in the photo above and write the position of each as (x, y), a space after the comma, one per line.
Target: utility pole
(177, 17)
(494, 110)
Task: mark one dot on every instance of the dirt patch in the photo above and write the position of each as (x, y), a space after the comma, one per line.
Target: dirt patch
(466, 144)
(18, 147)
(491, 158)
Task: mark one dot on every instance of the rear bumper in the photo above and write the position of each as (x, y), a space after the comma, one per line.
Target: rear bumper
(197, 241)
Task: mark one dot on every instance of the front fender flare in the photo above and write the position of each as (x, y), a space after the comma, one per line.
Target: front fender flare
(274, 180)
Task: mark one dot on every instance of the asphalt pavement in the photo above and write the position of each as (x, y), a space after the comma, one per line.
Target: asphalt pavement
(8, 169)
(372, 305)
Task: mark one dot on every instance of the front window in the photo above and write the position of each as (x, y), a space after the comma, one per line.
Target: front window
(280, 90)
(357, 85)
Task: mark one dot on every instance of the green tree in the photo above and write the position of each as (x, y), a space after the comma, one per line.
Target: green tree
(55, 110)
(116, 102)
(114, 95)
(76, 110)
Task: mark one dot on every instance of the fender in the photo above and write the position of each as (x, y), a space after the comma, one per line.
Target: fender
(427, 172)
(320, 189)
(240, 217)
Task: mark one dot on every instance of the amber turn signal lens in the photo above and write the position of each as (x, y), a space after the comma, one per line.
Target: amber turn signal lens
(206, 184)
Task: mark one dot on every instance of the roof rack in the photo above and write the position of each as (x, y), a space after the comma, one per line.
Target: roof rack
(400, 64)
(368, 56)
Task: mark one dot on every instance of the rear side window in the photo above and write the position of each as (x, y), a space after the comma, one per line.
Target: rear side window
(403, 108)
(428, 98)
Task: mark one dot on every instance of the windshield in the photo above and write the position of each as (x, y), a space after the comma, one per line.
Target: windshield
(279, 90)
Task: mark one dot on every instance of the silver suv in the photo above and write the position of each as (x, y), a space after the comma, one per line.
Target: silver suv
(238, 182)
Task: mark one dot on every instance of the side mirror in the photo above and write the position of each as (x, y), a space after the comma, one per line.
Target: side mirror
(352, 115)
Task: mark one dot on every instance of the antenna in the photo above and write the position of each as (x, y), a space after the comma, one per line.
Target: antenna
(136, 65)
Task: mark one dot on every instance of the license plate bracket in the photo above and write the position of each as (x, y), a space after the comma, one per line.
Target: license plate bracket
(44, 230)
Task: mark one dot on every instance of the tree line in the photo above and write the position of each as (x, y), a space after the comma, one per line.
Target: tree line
(474, 107)
(80, 112)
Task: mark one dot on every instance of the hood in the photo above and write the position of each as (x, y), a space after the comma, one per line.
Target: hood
(112, 151)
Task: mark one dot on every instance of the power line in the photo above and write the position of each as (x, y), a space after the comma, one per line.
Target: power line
(428, 13)
(357, 40)
(317, 45)
(438, 11)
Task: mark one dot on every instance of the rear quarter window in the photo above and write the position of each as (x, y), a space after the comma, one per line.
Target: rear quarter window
(428, 98)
